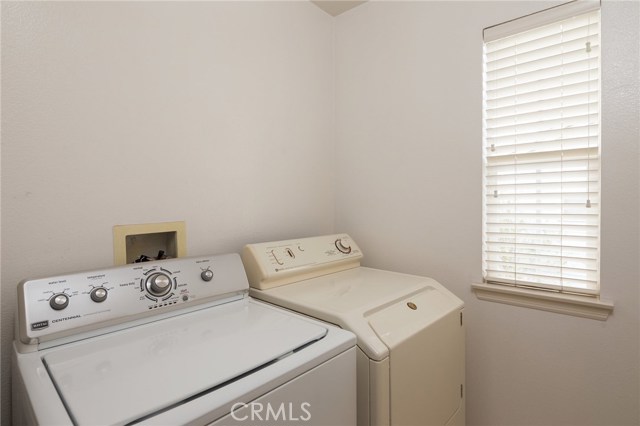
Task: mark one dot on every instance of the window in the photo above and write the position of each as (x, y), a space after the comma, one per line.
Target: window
(542, 151)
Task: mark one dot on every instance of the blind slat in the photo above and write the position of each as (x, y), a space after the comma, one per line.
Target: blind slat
(532, 59)
(557, 76)
(575, 254)
(542, 69)
(552, 102)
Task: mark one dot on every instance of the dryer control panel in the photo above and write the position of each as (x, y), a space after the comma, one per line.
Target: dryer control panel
(55, 307)
(283, 262)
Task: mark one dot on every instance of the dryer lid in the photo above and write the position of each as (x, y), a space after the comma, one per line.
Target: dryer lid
(138, 372)
(353, 298)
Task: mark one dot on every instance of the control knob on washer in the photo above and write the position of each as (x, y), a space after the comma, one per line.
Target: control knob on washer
(59, 301)
(158, 284)
(207, 275)
(98, 294)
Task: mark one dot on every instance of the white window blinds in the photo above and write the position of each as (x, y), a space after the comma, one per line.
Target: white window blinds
(542, 156)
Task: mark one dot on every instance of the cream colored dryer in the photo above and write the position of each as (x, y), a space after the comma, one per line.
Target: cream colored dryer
(410, 329)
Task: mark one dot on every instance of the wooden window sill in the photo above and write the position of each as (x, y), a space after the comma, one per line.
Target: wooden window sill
(568, 304)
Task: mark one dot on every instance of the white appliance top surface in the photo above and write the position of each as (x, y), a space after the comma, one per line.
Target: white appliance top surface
(123, 376)
(354, 290)
(351, 298)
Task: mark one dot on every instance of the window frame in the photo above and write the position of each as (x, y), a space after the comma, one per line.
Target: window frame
(584, 305)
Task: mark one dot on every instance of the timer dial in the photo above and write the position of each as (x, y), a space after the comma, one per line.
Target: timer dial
(342, 247)
(158, 284)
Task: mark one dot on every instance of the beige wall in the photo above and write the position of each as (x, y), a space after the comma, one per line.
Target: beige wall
(219, 114)
(222, 114)
(409, 131)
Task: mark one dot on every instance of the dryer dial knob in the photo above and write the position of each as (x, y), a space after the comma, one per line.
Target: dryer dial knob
(342, 247)
(59, 301)
(158, 284)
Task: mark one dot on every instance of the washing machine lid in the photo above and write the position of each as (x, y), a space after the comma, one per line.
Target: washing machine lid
(138, 372)
(352, 298)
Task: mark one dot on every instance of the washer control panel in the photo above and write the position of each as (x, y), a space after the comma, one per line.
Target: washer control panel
(282, 262)
(66, 304)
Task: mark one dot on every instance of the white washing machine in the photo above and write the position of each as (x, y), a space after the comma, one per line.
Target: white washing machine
(174, 342)
(410, 329)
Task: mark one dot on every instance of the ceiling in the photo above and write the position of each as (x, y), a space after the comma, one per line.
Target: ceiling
(336, 7)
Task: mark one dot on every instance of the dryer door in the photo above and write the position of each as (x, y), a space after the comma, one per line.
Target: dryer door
(140, 372)
(425, 336)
